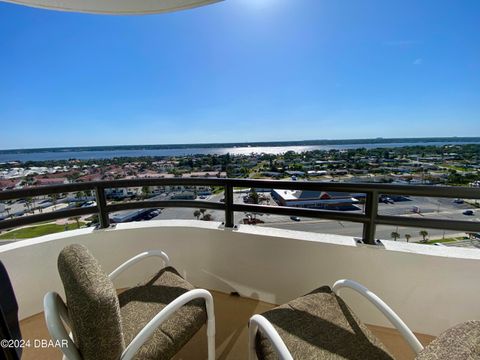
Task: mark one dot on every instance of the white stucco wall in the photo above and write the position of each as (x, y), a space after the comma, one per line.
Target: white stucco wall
(431, 288)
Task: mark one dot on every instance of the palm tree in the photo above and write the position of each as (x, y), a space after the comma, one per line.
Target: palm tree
(408, 236)
(54, 198)
(395, 235)
(424, 234)
(28, 203)
(197, 214)
(33, 204)
(145, 191)
(202, 211)
(254, 196)
(207, 217)
(77, 220)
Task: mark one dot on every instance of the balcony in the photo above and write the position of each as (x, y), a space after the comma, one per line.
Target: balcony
(431, 287)
(370, 218)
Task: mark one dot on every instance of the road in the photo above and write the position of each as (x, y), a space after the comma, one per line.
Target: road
(438, 208)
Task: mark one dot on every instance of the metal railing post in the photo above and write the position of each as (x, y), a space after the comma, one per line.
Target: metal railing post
(371, 210)
(229, 206)
(103, 218)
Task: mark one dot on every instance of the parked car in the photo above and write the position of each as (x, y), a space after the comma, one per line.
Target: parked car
(385, 199)
(468, 212)
(89, 203)
(458, 201)
(295, 218)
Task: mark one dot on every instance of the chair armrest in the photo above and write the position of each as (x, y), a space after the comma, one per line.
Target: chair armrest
(396, 321)
(165, 313)
(56, 314)
(114, 274)
(259, 322)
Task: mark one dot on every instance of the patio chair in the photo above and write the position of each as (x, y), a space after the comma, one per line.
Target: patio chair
(151, 321)
(320, 325)
(9, 325)
(460, 342)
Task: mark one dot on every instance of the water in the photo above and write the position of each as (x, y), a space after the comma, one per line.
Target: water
(275, 150)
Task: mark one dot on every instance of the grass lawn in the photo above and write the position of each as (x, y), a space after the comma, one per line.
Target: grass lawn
(474, 204)
(446, 240)
(39, 230)
(217, 189)
(457, 168)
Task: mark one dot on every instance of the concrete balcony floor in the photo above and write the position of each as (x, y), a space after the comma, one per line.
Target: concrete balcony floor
(232, 314)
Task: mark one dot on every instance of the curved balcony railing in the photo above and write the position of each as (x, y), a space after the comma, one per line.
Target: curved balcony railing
(370, 218)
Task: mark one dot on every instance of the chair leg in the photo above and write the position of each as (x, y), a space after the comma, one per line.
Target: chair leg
(252, 333)
(211, 347)
(210, 327)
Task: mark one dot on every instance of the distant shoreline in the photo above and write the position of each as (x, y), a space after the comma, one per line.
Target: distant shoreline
(376, 141)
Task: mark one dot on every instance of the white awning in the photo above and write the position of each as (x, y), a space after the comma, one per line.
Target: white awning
(115, 7)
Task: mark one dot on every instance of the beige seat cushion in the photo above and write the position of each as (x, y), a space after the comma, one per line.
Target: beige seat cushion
(92, 305)
(320, 325)
(461, 342)
(140, 304)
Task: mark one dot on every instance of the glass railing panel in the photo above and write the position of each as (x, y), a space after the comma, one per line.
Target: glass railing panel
(52, 206)
(169, 193)
(303, 199)
(429, 207)
(301, 223)
(433, 237)
(343, 203)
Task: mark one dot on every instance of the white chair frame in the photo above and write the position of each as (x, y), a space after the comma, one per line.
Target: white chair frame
(258, 322)
(56, 315)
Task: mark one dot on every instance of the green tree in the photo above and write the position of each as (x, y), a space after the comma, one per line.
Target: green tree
(197, 214)
(207, 217)
(254, 196)
(93, 220)
(395, 235)
(28, 204)
(145, 191)
(424, 234)
(77, 220)
(54, 198)
(407, 237)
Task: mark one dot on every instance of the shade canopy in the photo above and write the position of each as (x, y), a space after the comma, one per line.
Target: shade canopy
(115, 7)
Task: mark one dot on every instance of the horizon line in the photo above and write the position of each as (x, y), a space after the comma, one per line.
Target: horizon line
(379, 140)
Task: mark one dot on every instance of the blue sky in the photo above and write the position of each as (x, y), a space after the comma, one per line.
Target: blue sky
(240, 70)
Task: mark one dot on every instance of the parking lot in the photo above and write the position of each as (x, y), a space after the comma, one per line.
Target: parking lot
(439, 208)
(420, 207)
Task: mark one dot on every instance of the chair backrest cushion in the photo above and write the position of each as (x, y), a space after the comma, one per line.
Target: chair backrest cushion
(460, 342)
(9, 326)
(92, 305)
